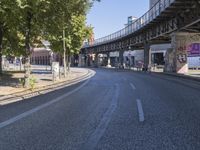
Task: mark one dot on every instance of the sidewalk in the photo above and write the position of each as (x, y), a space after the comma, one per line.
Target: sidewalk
(9, 89)
(192, 74)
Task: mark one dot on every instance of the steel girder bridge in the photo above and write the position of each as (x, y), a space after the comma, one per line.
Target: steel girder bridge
(154, 27)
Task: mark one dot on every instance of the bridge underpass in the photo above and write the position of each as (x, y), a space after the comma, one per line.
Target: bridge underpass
(166, 22)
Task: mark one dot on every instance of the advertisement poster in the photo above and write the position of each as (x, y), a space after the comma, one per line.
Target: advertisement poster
(194, 50)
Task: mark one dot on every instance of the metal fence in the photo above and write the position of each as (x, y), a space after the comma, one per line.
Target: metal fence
(149, 16)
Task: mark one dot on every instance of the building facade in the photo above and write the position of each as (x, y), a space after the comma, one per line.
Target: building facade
(43, 56)
(130, 20)
(40, 56)
(158, 53)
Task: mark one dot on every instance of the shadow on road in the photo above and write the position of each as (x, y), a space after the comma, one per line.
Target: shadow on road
(8, 79)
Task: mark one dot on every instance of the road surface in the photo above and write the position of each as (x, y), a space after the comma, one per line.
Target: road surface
(114, 110)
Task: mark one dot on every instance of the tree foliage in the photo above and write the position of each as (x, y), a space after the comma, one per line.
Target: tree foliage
(7, 23)
(66, 30)
(24, 23)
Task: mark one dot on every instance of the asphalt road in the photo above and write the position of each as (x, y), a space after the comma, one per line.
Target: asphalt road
(114, 110)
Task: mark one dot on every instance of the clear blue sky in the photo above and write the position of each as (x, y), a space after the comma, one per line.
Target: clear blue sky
(109, 16)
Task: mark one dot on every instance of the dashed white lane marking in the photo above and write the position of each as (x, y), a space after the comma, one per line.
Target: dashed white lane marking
(140, 110)
(27, 113)
(133, 86)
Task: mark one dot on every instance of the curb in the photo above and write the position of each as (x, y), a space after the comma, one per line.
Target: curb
(161, 73)
(178, 76)
(19, 96)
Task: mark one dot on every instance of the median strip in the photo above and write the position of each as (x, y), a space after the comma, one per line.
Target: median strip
(43, 90)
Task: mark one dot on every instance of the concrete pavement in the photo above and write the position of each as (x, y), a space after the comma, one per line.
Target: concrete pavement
(114, 110)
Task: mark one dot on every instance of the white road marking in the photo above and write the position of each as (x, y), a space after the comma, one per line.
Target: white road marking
(101, 128)
(140, 110)
(133, 86)
(28, 113)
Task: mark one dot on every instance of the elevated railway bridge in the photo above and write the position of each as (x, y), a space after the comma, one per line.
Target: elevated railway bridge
(168, 21)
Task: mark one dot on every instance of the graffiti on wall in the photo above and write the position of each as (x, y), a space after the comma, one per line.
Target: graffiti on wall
(184, 46)
(191, 50)
(182, 58)
(181, 52)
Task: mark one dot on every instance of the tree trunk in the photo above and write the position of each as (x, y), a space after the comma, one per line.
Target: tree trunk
(64, 64)
(27, 71)
(64, 55)
(1, 49)
(28, 50)
(68, 63)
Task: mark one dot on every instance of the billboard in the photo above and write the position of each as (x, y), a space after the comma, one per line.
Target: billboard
(194, 62)
(194, 50)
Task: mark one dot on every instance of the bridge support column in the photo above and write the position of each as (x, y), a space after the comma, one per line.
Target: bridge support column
(121, 58)
(89, 60)
(82, 61)
(86, 60)
(108, 60)
(116, 61)
(96, 60)
(147, 57)
(182, 44)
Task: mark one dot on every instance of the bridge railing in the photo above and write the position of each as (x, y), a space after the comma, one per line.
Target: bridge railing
(148, 17)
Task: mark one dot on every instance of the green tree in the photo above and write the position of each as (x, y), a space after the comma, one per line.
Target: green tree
(7, 21)
(78, 32)
(31, 16)
(25, 22)
(67, 27)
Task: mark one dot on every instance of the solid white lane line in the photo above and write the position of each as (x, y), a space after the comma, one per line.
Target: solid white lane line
(140, 110)
(133, 86)
(27, 113)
